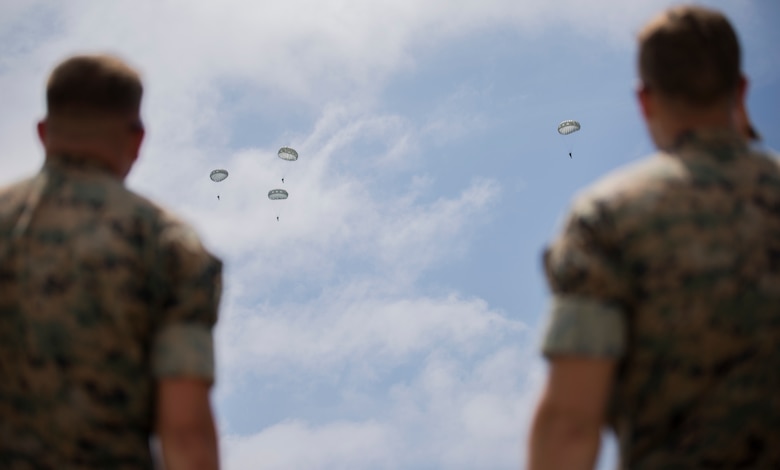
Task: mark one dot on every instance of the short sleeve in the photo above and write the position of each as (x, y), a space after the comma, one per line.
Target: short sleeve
(587, 314)
(191, 280)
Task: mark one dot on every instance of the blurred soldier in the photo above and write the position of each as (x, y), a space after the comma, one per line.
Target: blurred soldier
(665, 317)
(107, 301)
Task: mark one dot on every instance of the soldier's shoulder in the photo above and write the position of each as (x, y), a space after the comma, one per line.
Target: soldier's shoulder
(174, 230)
(141, 206)
(15, 189)
(766, 158)
(13, 196)
(647, 172)
(631, 181)
(169, 226)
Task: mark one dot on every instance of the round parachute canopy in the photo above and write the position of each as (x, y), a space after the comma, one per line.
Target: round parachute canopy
(567, 127)
(218, 175)
(276, 194)
(286, 153)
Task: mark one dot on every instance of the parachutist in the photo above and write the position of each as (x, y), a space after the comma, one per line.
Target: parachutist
(217, 176)
(568, 127)
(282, 180)
(277, 195)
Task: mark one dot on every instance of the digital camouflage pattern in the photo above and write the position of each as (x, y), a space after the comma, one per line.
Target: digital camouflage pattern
(672, 267)
(101, 293)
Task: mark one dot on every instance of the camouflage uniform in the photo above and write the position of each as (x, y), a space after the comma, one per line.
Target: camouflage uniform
(671, 266)
(101, 293)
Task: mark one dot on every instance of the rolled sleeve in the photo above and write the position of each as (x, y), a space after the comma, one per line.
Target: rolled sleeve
(584, 327)
(183, 351)
(590, 287)
(182, 345)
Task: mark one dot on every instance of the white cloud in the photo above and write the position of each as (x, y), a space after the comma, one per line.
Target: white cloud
(463, 402)
(303, 55)
(335, 211)
(293, 445)
(451, 414)
(304, 48)
(353, 326)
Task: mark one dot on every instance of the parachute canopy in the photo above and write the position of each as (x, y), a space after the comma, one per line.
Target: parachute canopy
(286, 153)
(276, 194)
(218, 175)
(567, 127)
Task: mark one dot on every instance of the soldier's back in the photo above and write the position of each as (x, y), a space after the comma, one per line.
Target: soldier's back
(78, 292)
(698, 235)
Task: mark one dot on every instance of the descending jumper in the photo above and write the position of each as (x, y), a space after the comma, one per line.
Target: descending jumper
(568, 127)
(217, 176)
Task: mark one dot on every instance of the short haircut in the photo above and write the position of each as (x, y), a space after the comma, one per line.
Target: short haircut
(90, 85)
(692, 54)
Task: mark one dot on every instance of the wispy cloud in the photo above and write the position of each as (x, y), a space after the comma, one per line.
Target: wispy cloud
(355, 325)
(449, 413)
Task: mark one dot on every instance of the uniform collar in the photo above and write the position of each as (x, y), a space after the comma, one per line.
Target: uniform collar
(721, 144)
(79, 163)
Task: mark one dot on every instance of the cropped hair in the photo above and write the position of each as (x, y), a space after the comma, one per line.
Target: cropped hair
(90, 85)
(690, 53)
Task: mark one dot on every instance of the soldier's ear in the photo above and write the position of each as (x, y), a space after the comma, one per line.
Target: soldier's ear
(42, 131)
(137, 139)
(742, 88)
(743, 84)
(643, 95)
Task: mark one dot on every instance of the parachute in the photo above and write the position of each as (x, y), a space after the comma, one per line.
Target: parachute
(286, 153)
(567, 127)
(277, 194)
(218, 175)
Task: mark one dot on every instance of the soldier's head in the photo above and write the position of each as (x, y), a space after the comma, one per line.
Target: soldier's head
(93, 105)
(690, 74)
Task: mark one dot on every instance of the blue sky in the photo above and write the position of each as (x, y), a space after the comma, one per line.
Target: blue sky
(391, 318)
